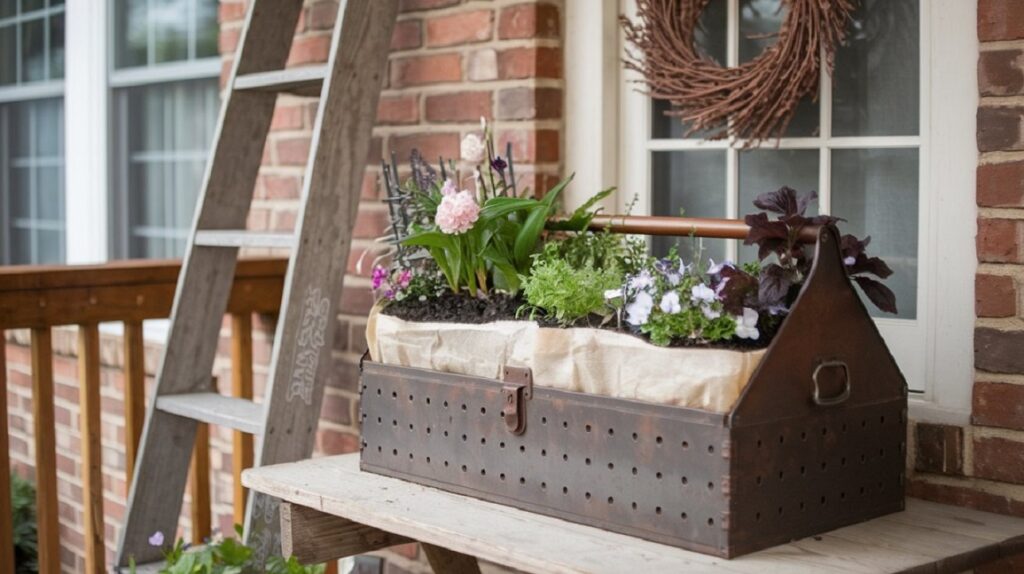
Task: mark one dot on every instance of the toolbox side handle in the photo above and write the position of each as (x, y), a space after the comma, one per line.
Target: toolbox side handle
(839, 398)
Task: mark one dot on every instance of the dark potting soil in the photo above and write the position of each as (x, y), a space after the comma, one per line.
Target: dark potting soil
(452, 308)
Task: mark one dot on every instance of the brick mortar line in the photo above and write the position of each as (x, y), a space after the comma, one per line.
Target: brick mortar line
(444, 88)
(466, 127)
(1006, 324)
(998, 378)
(1014, 101)
(994, 157)
(998, 45)
(471, 6)
(983, 432)
(1001, 213)
(985, 486)
(473, 46)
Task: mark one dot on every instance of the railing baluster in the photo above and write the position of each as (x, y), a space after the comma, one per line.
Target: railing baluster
(6, 513)
(241, 386)
(200, 485)
(134, 392)
(46, 451)
(92, 459)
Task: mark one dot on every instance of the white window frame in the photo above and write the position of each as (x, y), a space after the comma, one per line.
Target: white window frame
(607, 124)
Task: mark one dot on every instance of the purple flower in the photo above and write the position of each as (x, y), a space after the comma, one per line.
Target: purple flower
(389, 294)
(380, 275)
(499, 164)
(157, 539)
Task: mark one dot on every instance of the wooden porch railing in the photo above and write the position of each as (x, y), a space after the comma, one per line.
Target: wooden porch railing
(42, 297)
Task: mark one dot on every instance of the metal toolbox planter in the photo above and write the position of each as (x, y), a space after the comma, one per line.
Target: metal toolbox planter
(816, 440)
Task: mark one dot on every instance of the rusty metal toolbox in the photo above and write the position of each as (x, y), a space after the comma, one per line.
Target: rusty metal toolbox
(816, 441)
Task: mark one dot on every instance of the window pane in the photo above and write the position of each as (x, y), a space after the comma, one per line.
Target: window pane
(33, 54)
(130, 31)
(711, 40)
(207, 29)
(691, 183)
(760, 22)
(169, 128)
(764, 170)
(170, 30)
(877, 77)
(34, 182)
(56, 46)
(28, 5)
(7, 8)
(8, 53)
(876, 192)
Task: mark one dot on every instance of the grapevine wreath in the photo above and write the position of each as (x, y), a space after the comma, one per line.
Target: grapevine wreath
(753, 101)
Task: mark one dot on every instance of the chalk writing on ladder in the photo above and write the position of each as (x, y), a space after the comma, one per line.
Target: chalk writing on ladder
(315, 311)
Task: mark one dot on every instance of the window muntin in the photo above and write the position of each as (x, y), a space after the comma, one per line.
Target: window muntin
(32, 183)
(859, 147)
(31, 41)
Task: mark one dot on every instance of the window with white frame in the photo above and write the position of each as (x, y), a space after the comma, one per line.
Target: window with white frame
(32, 226)
(888, 145)
(164, 69)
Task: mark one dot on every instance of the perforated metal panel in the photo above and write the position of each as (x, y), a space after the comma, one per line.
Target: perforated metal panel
(647, 470)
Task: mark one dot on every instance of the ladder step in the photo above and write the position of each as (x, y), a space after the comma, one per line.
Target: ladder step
(216, 409)
(243, 238)
(303, 81)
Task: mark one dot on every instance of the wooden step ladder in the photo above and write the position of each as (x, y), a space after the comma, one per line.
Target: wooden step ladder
(285, 423)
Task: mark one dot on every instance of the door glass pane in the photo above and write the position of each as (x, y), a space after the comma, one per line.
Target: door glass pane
(875, 190)
(131, 28)
(8, 53)
(877, 76)
(690, 183)
(33, 54)
(56, 46)
(760, 22)
(711, 40)
(169, 128)
(764, 170)
(170, 30)
(7, 8)
(29, 5)
(35, 180)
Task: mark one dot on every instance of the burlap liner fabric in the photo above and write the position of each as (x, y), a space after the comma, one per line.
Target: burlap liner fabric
(595, 361)
(753, 101)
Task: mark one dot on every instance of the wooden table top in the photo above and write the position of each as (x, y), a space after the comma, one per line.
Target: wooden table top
(927, 537)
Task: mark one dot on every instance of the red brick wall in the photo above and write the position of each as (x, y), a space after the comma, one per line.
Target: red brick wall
(982, 465)
(452, 62)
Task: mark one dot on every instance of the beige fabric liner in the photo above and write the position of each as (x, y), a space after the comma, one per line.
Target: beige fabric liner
(596, 361)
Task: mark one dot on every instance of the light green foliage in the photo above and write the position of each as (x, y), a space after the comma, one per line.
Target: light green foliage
(23, 505)
(689, 323)
(569, 293)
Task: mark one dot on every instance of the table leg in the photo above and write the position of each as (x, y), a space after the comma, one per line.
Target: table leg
(445, 561)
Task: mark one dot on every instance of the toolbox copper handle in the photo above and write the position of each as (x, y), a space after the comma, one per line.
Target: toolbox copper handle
(679, 226)
(843, 395)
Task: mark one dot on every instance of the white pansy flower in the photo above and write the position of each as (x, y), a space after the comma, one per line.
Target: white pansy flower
(641, 281)
(702, 294)
(612, 294)
(746, 325)
(639, 311)
(670, 303)
(472, 149)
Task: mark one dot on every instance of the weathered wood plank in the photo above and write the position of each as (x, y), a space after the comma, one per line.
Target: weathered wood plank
(215, 409)
(6, 512)
(314, 537)
(134, 392)
(445, 561)
(92, 458)
(241, 387)
(200, 486)
(244, 238)
(206, 277)
(533, 543)
(302, 81)
(341, 142)
(43, 423)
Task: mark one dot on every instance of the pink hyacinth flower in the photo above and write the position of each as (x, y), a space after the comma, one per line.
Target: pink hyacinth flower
(457, 212)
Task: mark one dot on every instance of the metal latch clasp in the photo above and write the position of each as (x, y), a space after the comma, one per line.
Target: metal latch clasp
(518, 389)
